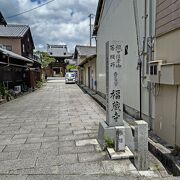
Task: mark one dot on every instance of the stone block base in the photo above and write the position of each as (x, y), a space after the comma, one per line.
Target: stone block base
(127, 154)
(106, 131)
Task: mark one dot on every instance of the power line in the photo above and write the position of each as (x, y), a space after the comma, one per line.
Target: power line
(30, 10)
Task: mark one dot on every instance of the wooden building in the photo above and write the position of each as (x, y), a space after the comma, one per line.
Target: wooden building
(86, 62)
(18, 39)
(14, 69)
(60, 53)
(17, 45)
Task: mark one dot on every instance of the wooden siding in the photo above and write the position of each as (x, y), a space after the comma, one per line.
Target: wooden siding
(14, 42)
(28, 45)
(167, 16)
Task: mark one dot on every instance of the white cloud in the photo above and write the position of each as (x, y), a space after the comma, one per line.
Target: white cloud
(62, 21)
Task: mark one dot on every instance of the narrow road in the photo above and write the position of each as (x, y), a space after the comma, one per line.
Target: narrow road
(51, 134)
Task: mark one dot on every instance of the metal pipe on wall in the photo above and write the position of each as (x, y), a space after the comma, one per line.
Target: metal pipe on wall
(139, 55)
(144, 39)
(176, 114)
(150, 58)
(142, 62)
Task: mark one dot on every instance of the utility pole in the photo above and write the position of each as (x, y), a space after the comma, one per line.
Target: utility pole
(90, 28)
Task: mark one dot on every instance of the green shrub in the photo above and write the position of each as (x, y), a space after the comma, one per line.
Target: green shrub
(39, 84)
(108, 142)
(2, 90)
(176, 151)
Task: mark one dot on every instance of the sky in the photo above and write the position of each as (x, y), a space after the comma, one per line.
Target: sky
(58, 22)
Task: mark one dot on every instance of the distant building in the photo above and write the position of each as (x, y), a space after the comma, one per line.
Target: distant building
(60, 53)
(86, 62)
(18, 39)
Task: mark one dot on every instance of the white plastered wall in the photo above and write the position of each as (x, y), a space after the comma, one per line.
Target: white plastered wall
(118, 23)
(92, 65)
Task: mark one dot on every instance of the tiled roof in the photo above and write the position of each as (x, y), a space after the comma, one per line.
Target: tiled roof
(86, 50)
(13, 30)
(100, 8)
(58, 51)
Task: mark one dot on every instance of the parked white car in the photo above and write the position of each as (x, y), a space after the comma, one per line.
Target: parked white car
(70, 77)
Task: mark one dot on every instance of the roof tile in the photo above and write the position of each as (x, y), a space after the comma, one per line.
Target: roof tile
(13, 30)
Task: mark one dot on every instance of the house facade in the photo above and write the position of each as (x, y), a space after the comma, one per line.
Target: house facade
(89, 66)
(127, 21)
(149, 31)
(167, 58)
(18, 39)
(86, 62)
(13, 69)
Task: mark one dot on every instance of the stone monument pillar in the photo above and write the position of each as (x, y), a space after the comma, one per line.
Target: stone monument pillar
(114, 83)
(114, 91)
(113, 127)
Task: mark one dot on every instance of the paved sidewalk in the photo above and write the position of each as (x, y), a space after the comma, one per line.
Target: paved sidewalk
(51, 134)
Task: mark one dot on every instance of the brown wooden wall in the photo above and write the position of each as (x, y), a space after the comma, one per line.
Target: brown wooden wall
(33, 77)
(167, 16)
(28, 45)
(14, 42)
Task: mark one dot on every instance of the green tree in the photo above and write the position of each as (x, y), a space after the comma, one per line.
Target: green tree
(69, 67)
(46, 59)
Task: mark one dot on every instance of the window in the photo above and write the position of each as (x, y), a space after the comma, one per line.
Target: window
(9, 48)
(126, 50)
(153, 69)
(23, 48)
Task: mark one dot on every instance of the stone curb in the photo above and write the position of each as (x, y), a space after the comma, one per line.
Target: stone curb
(164, 156)
(85, 90)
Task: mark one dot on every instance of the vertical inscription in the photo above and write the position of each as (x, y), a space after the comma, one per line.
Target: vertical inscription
(114, 80)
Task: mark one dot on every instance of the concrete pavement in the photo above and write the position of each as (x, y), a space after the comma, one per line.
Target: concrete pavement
(51, 134)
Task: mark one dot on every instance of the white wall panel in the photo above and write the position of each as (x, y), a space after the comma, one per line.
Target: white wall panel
(118, 23)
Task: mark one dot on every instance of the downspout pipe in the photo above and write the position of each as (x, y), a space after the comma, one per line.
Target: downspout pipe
(176, 115)
(144, 39)
(142, 58)
(139, 55)
(150, 58)
(96, 66)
